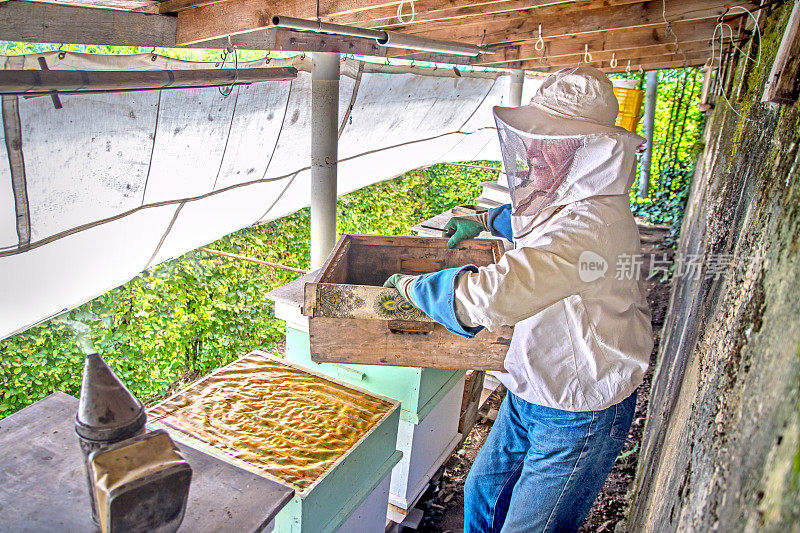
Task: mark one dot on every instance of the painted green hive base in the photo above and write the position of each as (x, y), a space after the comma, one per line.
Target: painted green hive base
(417, 389)
(323, 510)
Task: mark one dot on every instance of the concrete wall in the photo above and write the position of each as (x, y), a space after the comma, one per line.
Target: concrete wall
(721, 449)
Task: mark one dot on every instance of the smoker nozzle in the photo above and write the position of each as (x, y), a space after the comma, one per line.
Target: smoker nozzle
(107, 411)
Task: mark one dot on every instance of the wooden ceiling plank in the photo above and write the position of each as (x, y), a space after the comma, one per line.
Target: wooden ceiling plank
(216, 19)
(605, 41)
(654, 51)
(511, 9)
(112, 4)
(174, 6)
(599, 42)
(688, 56)
(328, 8)
(41, 22)
(232, 17)
(655, 66)
(507, 28)
(436, 10)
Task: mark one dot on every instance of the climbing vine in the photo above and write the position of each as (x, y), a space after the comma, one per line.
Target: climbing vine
(185, 317)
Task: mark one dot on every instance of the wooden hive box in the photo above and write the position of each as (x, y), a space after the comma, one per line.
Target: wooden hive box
(353, 319)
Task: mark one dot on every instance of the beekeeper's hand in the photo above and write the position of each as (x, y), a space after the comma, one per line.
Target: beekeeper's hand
(462, 229)
(402, 282)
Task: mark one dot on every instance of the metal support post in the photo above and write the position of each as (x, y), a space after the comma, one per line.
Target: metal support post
(515, 88)
(324, 154)
(651, 90)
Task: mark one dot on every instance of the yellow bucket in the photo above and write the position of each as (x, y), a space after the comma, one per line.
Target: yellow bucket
(630, 107)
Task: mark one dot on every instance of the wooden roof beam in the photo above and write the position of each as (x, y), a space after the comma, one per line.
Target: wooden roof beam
(691, 57)
(656, 65)
(519, 26)
(23, 21)
(41, 22)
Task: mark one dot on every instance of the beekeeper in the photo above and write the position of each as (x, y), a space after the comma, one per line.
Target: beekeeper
(582, 335)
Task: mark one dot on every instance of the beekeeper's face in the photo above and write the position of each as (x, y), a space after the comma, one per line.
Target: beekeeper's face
(549, 161)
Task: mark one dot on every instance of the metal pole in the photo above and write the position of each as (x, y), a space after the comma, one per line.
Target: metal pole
(515, 88)
(651, 90)
(391, 39)
(324, 154)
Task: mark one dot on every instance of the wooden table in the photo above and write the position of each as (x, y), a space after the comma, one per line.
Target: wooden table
(43, 481)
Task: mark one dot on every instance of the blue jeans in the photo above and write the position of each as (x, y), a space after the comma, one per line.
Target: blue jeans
(541, 468)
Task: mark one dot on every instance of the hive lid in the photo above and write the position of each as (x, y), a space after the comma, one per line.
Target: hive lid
(107, 410)
(273, 418)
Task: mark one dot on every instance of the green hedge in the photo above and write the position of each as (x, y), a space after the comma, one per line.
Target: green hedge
(190, 315)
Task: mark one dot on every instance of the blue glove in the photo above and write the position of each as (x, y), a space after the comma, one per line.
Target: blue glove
(499, 222)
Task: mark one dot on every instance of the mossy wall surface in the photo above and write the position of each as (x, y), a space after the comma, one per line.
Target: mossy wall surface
(721, 450)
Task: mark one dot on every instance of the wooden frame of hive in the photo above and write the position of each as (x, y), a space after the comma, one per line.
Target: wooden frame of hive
(353, 319)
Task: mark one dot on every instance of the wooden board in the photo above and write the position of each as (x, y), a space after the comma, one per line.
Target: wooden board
(43, 482)
(783, 84)
(372, 342)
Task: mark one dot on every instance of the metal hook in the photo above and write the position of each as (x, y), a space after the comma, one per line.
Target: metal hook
(230, 49)
(587, 57)
(641, 70)
(614, 60)
(61, 53)
(539, 42)
(721, 18)
(483, 37)
(628, 68)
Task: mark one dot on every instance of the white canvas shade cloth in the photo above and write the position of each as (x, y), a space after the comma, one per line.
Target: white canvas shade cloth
(115, 183)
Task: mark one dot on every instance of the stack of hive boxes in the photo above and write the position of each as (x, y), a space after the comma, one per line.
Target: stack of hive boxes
(430, 400)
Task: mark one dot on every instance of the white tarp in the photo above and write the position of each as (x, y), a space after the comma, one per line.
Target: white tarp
(118, 182)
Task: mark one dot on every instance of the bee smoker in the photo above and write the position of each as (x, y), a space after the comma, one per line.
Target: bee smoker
(107, 413)
(138, 480)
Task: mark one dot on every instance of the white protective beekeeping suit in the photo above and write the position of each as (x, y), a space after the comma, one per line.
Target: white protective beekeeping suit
(582, 336)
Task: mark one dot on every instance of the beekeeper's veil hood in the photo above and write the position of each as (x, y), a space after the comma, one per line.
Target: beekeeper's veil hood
(564, 146)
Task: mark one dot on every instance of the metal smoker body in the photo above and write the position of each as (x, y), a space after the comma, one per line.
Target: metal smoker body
(141, 478)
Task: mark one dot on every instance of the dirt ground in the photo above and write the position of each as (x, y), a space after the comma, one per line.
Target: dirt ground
(443, 503)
